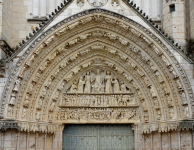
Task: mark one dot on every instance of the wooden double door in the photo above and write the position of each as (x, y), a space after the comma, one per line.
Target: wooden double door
(98, 137)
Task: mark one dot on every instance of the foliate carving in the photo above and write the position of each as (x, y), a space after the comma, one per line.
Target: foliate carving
(98, 18)
(84, 36)
(172, 126)
(145, 129)
(109, 20)
(122, 25)
(99, 100)
(96, 115)
(97, 47)
(163, 127)
(153, 127)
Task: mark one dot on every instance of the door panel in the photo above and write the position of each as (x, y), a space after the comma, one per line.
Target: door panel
(98, 137)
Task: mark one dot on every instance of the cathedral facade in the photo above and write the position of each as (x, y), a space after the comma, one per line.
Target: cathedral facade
(96, 75)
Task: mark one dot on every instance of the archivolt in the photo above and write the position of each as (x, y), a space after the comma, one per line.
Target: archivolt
(75, 45)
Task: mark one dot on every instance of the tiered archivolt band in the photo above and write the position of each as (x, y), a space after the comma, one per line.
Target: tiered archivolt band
(97, 67)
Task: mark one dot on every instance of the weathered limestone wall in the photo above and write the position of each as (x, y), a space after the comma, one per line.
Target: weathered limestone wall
(176, 23)
(173, 140)
(191, 19)
(13, 140)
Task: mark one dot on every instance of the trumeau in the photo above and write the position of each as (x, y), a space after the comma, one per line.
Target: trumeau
(112, 70)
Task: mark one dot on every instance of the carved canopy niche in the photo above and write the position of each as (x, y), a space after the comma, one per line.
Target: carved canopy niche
(97, 67)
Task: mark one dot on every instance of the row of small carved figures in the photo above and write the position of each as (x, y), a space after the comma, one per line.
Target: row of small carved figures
(98, 101)
(77, 114)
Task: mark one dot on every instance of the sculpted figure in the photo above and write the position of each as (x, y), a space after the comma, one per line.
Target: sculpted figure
(108, 78)
(166, 90)
(40, 101)
(123, 87)
(160, 79)
(24, 113)
(27, 100)
(74, 87)
(145, 108)
(52, 106)
(156, 103)
(50, 117)
(31, 87)
(186, 112)
(37, 76)
(184, 100)
(13, 98)
(98, 86)
(81, 85)
(57, 94)
(153, 92)
(17, 85)
(9, 112)
(179, 85)
(116, 85)
(171, 113)
(38, 116)
(88, 80)
(169, 101)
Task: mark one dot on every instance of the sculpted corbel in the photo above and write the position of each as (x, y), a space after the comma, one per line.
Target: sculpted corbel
(158, 52)
(122, 41)
(74, 25)
(49, 40)
(12, 99)
(86, 20)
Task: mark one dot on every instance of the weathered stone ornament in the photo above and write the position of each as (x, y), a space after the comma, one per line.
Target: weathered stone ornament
(97, 3)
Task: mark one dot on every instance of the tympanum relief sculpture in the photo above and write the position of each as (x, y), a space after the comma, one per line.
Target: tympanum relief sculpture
(97, 95)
